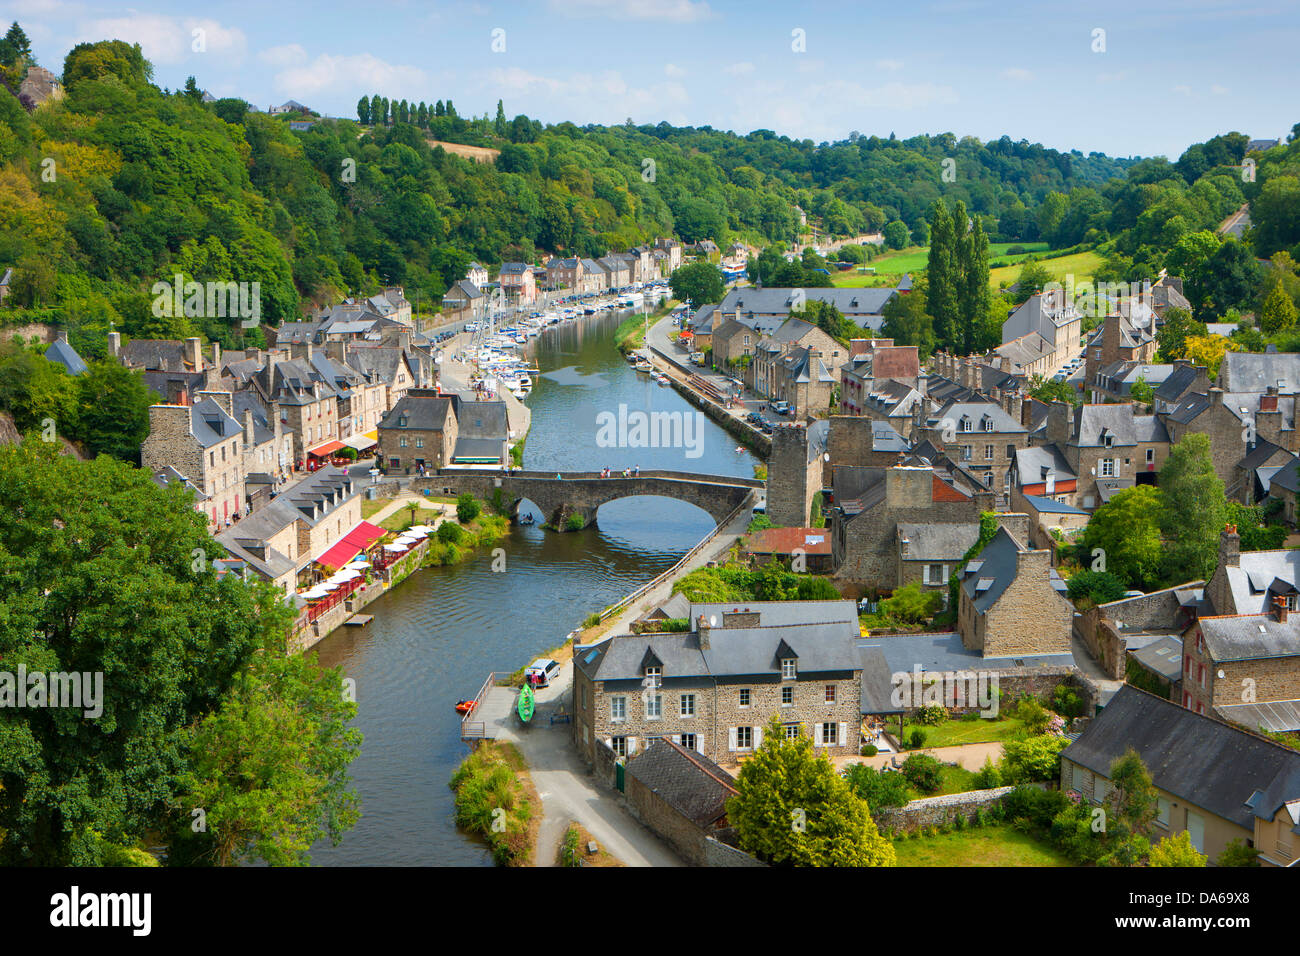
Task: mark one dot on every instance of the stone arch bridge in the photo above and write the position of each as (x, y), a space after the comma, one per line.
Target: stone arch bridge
(581, 494)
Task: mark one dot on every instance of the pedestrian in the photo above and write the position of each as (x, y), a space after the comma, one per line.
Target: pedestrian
(636, 470)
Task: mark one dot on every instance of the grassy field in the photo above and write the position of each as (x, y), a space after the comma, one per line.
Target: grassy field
(914, 259)
(953, 732)
(994, 845)
(1081, 264)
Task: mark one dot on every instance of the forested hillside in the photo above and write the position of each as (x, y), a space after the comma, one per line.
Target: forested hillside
(121, 184)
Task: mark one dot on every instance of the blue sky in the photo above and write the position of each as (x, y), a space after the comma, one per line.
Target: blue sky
(1173, 72)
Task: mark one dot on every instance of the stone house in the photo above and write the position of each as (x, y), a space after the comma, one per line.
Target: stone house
(203, 443)
(1092, 452)
(674, 250)
(477, 274)
(1050, 316)
(795, 472)
(1228, 420)
(714, 689)
(1121, 340)
(873, 361)
(482, 433)
(464, 300)
(856, 440)
(281, 540)
(751, 305)
(517, 281)
(1185, 379)
(1233, 665)
(981, 436)
(1012, 602)
(679, 794)
(929, 553)
(307, 406)
(869, 504)
(802, 376)
(1217, 782)
(420, 430)
(618, 273)
(564, 273)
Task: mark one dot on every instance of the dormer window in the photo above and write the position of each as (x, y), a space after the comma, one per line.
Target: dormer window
(653, 674)
(789, 668)
(401, 421)
(965, 424)
(1109, 440)
(988, 424)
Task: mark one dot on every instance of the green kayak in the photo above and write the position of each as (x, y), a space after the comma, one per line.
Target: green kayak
(526, 704)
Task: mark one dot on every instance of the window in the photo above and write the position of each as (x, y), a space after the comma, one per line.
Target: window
(401, 442)
(988, 424)
(744, 697)
(787, 696)
(831, 734)
(619, 746)
(788, 668)
(965, 452)
(830, 693)
(744, 738)
(618, 708)
(965, 424)
(934, 574)
(1011, 452)
(654, 706)
(688, 705)
(654, 673)
(1151, 456)
(419, 443)
(1162, 811)
(1107, 467)
(988, 452)
(791, 731)
(689, 741)
(395, 462)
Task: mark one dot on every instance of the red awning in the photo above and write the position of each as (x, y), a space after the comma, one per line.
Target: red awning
(351, 544)
(325, 448)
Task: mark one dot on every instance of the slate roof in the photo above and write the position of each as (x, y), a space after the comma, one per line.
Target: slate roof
(210, 424)
(1256, 571)
(167, 475)
(64, 354)
(1092, 423)
(1273, 715)
(938, 542)
(689, 782)
(482, 420)
(1288, 478)
(1200, 760)
(425, 412)
(877, 683)
(1163, 656)
(783, 613)
(1250, 637)
(976, 413)
(155, 354)
(1047, 506)
(1256, 371)
(1176, 384)
(862, 306)
(986, 578)
(945, 652)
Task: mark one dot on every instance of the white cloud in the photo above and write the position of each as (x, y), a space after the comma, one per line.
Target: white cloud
(571, 97)
(291, 54)
(1183, 89)
(1017, 73)
(892, 66)
(1218, 90)
(739, 69)
(672, 69)
(671, 11)
(169, 40)
(348, 74)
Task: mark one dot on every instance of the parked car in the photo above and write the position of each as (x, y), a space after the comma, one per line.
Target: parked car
(541, 672)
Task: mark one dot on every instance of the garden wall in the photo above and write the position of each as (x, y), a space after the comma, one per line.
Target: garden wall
(939, 811)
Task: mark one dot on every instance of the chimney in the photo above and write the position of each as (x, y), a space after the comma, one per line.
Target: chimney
(216, 355)
(1229, 550)
(702, 628)
(1216, 396)
(1279, 605)
(114, 343)
(194, 353)
(300, 350)
(223, 399)
(1060, 416)
(248, 428)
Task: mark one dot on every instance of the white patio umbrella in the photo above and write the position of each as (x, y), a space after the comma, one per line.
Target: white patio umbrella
(396, 547)
(358, 565)
(344, 576)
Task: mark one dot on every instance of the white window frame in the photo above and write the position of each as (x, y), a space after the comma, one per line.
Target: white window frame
(747, 732)
(746, 697)
(1106, 468)
(687, 707)
(789, 668)
(618, 709)
(787, 691)
(654, 706)
(831, 739)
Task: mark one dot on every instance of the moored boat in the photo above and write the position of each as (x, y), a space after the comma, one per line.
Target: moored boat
(526, 704)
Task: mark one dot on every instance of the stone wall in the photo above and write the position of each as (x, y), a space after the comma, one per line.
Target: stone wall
(1098, 627)
(679, 832)
(938, 811)
(717, 853)
(792, 480)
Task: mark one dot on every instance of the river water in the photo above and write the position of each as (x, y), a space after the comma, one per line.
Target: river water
(437, 635)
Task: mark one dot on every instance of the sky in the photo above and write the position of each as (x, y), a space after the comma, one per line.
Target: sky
(1123, 78)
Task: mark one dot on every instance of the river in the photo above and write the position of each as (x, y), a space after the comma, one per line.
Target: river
(438, 634)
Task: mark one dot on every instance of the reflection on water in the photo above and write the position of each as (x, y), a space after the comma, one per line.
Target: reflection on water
(435, 638)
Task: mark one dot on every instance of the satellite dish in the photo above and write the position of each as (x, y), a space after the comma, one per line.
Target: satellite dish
(713, 620)
(1220, 674)
(826, 457)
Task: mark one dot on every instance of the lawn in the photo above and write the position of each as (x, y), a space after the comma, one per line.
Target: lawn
(993, 845)
(953, 732)
(1081, 264)
(916, 258)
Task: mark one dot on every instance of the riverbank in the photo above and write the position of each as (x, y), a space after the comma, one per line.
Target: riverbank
(630, 335)
(497, 801)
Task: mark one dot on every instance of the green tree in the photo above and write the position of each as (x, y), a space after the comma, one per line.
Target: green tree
(793, 809)
(1131, 796)
(1172, 338)
(1278, 313)
(1142, 391)
(1194, 510)
(363, 111)
(906, 321)
(270, 765)
(910, 604)
(896, 234)
(169, 638)
(1032, 760)
(880, 788)
(467, 508)
(500, 124)
(1177, 850)
(112, 410)
(701, 282)
(974, 295)
(1125, 534)
(1033, 276)
(943, 274)
(1236, 853)
(923, 772)
(1049, 390)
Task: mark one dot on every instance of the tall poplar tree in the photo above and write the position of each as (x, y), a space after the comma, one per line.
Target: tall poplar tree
(363, 110)
(975, 284)
(941, 270)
